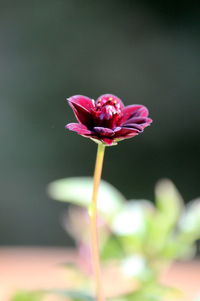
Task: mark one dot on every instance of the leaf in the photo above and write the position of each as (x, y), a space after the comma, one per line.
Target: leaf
(27, 296)
(78, 191)
(154, 292)
(131, 224)
(112, 249)
(169, 202)
(37, 295)
(73, 295)
(134, 265)
(177, 249)
(131, 218)
(189, 223)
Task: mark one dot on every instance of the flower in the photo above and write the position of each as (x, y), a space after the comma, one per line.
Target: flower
(107, 120)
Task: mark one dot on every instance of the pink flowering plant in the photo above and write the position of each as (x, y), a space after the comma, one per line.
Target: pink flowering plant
(135, 239)
(106, 121)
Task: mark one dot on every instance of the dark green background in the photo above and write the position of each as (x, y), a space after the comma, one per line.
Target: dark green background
(143, 51)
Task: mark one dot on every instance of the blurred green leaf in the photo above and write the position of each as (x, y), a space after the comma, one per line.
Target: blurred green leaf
(177, 249)
(73, 295)
(37, 296)
(168, 201)
(134, 266)
(112, 249)
(170, 251)
(27, 296)
(169, 206)
(78, 191)
(154, 292)
(131, 224)
(131, 218)
(189, 224)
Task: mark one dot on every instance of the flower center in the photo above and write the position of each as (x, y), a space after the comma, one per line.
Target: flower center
(108, 108)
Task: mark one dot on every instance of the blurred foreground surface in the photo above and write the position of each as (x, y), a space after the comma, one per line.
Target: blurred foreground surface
(41, 268)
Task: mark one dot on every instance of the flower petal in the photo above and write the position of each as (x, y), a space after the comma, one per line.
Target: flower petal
(102, 131)
(83, 101)
(79, 128)
(138, 122)
(108, 141)
(142, 112)
(126, 132)
(126, 137)
(133, 110)
(82, 107)
(135, 126)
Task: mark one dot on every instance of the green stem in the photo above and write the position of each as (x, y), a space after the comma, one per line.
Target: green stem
(94, 223)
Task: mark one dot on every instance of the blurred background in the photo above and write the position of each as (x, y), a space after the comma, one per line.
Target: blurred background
(145, 52)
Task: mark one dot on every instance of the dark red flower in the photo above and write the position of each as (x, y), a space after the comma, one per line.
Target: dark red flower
(107, 119)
